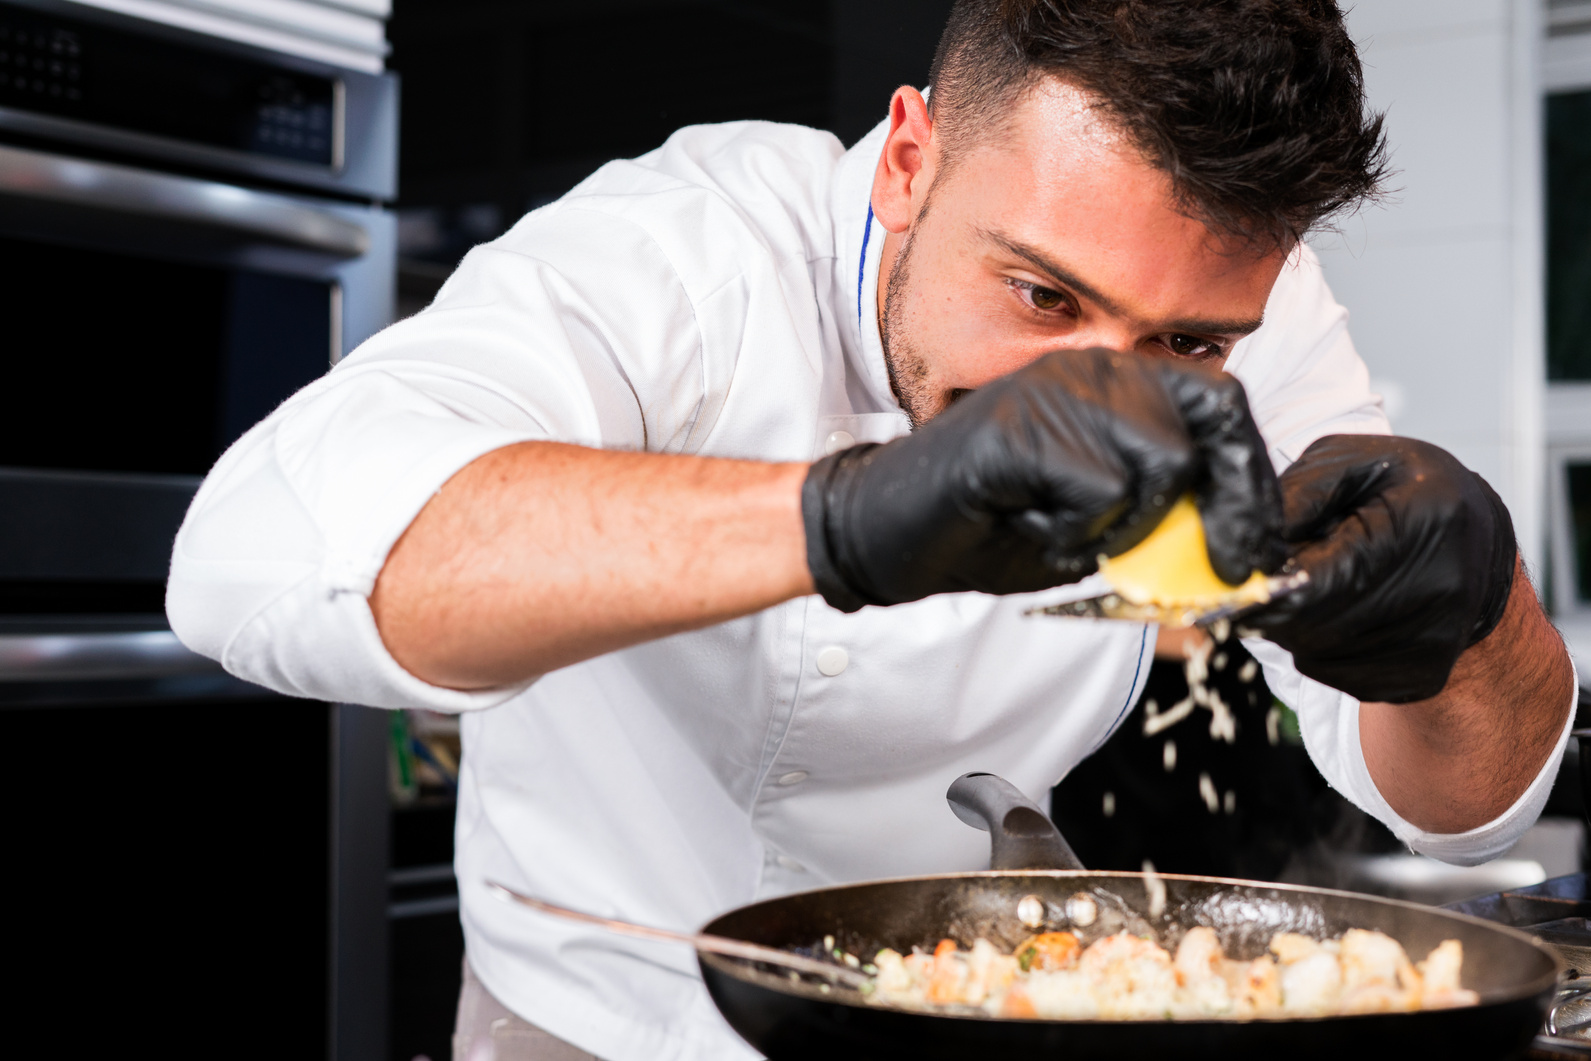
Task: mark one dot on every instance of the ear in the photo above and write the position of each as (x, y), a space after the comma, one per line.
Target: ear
(906, 166)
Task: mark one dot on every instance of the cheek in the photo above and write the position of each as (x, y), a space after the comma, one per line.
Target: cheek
(999, 354)
(993, 345)
(965, 340)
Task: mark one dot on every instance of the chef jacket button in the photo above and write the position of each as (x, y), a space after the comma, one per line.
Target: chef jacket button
(794, 777)
(789, 863)
(837, 441)
(833, 660)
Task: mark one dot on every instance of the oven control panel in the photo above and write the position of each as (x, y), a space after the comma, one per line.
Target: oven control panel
(81, 79)
(72, 68)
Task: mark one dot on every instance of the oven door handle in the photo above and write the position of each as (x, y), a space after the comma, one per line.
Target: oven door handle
(140, 193)
(94, 657)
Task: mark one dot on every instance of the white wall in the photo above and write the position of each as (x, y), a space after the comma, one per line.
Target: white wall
(1443, 281)
(1566, 67)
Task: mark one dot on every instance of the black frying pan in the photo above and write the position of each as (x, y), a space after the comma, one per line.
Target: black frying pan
(1514, 974)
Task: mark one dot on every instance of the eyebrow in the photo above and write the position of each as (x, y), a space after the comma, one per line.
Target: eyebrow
(1065, 278)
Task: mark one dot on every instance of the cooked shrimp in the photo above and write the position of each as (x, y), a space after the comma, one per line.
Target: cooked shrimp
(1199, 968)
(1377, 976)
(1290, 947)
(1133, 977)
(1311, 986)
(1440, 973)
(1198, 955)
(1256, 989)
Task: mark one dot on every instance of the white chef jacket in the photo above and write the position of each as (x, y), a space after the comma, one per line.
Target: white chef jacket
(715, 297)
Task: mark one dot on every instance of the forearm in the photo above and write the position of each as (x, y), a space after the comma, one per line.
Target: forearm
(1461, 758)
(540, 555)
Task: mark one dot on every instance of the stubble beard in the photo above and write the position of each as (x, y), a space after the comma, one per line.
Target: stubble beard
(908, 370)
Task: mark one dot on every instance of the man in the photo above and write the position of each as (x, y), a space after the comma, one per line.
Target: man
(587, 496)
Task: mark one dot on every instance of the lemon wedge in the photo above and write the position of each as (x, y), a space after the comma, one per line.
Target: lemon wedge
(1171, 568)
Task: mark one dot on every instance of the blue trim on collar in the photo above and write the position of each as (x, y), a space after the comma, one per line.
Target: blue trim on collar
(861, 266)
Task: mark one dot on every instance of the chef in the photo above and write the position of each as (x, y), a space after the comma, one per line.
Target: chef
(713, 497)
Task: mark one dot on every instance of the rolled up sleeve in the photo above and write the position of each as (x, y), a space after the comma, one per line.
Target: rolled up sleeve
(1329, 722)
(274, 564)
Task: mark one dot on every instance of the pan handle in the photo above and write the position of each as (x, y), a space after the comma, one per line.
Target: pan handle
(1021, 836)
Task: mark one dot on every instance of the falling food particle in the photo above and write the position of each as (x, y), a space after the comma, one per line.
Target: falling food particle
(1247, 672)
(1196, 660)
(1223, 724)
(1156, 889)
(1212, 799)
(1273, 725)
(1109, 805)
(1180, 710)
(1221, 629)
(1219, 662)
(1229, 804)
(828, 943)
(1168, 756)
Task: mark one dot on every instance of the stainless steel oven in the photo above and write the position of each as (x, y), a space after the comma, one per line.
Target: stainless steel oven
(190, 230)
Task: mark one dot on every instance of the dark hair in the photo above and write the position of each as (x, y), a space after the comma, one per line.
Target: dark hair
(1254, 108)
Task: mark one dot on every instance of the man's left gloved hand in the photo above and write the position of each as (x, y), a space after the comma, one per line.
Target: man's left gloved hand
(1410, 558)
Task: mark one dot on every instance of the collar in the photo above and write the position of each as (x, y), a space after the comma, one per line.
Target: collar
(860, 241)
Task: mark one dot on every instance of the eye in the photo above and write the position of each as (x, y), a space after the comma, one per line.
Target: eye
(1192, 347)
(1043, 299)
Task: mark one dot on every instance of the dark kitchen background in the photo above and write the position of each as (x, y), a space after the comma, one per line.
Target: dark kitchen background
(209, 852)
(507, 105)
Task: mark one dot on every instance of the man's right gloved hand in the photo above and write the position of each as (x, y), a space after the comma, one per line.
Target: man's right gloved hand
(1022, 483)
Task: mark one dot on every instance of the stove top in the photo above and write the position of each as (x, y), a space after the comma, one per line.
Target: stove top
(1557, 911)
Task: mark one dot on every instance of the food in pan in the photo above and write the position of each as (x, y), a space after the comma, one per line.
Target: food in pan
(1171, 568)
(1124, 976)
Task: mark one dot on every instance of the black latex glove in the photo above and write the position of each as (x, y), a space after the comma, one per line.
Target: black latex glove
(1410, 558)
(1019, 485)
